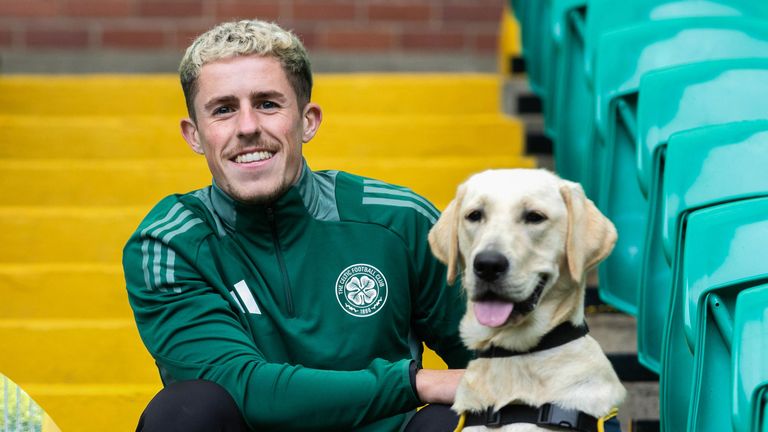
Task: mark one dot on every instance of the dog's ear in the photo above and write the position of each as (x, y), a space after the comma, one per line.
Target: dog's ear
(591, 236)
(444, 236)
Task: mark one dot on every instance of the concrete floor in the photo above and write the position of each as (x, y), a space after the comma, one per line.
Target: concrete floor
(617, 333)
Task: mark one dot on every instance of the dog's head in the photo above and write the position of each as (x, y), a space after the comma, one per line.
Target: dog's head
(511, 233)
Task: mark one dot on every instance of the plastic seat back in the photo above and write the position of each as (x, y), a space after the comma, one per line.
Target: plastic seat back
(749, 357)
(660, 45)
(571, 89)
(567, 23)
(703, 167)
(536, 40)
(723, 257)
(720, 256)
(604, 16)
(570, 99)
(707, 93)
(518, 8)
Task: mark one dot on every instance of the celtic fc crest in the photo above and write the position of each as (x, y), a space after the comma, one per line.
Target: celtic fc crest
(361, 290)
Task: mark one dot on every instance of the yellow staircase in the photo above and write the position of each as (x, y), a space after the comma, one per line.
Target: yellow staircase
(83, 158)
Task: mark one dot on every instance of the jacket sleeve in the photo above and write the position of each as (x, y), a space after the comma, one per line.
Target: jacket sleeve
(194, 333)
(438, 306)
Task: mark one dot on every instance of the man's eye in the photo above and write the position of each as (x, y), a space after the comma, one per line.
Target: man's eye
(222, 110)
(474, 216)
(534, 217)
(268, 105)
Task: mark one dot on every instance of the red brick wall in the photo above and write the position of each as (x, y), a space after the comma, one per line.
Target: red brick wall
(466, 26)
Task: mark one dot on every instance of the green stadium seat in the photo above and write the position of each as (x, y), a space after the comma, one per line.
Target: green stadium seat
(692, 181)
(568, 24)
(653, 46)
(707, 93)
(708, 411)
(518, 8)
(545, 32)
(676, 379)
(573, 83)
(704, 91)
(533, 16)
(734, 140)
(749, 352)
(722, 256)
(604, 16)
(703, 167)
(764, 418)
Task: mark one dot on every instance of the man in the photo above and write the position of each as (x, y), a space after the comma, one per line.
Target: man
(279, 298)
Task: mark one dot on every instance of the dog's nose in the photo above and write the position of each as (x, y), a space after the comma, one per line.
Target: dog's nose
(489, 265)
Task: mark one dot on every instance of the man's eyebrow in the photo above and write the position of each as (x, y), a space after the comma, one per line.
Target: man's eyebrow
(270, 94)
(219, 100)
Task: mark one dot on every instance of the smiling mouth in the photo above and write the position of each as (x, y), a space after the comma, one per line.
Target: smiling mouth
(256, 156)
(494, 310)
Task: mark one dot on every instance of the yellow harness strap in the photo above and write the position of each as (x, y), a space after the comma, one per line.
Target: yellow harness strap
(462, 420)
(601, 421)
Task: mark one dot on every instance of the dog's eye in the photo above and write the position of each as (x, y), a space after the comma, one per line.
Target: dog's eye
(474, 216)
(534, 217)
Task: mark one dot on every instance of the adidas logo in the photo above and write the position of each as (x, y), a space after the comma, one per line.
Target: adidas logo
(243, 297)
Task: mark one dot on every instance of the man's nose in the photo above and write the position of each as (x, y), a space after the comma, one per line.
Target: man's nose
(248, 122)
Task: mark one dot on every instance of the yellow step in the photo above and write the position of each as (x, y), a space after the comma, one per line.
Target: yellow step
(66, 234)
(133, 182)
(510, 45)
(60, 291)
(97, 234)
(75, 351)
(467, 93)
(350, 135)
(44, 292)
(422, 136)
(93, 407)
(159, 95)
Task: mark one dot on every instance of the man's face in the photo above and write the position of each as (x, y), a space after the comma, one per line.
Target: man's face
(249, 127)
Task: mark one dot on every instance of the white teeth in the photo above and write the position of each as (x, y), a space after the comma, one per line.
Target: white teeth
(253, 157)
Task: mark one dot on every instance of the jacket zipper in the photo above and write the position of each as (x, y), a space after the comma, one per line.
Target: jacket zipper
(281, 261)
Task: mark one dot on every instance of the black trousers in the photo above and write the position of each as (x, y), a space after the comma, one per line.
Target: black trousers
(204, 406)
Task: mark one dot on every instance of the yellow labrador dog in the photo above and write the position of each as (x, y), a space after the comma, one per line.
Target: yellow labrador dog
(522, 241)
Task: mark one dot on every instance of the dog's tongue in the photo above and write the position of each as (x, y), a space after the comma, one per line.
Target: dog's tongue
(493, 313)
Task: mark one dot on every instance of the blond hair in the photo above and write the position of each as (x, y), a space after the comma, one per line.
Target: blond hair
(247, 37)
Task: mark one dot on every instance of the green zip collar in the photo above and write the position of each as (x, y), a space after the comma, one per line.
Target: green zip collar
(313, 193)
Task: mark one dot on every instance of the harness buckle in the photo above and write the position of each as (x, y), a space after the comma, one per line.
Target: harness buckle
(553, 415)
(492, 418)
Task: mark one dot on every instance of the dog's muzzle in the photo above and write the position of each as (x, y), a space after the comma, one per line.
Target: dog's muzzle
(493, 309)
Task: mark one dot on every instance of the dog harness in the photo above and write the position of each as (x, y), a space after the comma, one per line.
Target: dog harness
(547, 415)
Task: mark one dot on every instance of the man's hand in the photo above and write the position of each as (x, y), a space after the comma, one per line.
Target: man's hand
(438, 386)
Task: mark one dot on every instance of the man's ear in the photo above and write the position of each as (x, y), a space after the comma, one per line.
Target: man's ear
(191, 136)
(444, 236)
(312, 117)
(591, 236)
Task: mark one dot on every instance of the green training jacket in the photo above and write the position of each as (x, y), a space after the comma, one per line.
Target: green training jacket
(308, 311)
